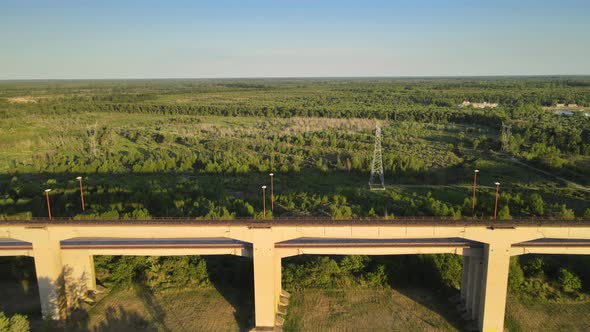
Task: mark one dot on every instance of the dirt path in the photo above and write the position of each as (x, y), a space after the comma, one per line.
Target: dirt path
(566, 181)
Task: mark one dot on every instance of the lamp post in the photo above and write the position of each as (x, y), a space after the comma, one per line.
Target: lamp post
(272, 192)
(474, 188)
(79, 178)
(496, 206)
(48, 205)
(263, 202)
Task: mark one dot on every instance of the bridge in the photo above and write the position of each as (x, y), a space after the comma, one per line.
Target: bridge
(63, 251)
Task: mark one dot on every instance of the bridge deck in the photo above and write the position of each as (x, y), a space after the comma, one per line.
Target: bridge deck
(375, 243)
(159, 243)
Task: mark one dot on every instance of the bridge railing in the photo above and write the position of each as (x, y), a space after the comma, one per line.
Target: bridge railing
(301, 220)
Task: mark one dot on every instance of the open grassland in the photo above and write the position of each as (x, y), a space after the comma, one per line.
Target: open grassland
(532, 315)
(417, 309)
(370, 310)
(171, 310)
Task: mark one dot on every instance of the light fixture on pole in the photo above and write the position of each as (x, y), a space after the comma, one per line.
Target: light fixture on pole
(272, 193)
(263, 202)
(474, 188)
(497, 194)
(48, 205)
(79, 178)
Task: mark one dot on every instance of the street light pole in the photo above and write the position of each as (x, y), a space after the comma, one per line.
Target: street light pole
(79, 178)
(497, 193)
(474, 188)
(272, 193)
(263, 202)
(48, 205)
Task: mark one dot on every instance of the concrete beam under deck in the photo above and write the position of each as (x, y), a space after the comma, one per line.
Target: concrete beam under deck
(552, 246)
(158, 246)
(12, 247)
(347, 246)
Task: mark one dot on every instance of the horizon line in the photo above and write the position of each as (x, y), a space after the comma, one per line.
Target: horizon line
(298, 77)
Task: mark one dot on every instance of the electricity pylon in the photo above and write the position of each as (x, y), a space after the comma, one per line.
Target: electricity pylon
(377, 167)
(505, 136)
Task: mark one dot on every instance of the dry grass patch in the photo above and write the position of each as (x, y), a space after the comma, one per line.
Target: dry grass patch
(547, 316)
(22, 100)
(365, 310)
(173, 310)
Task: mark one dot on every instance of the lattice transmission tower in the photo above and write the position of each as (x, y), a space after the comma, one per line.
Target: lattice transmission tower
(505, 136)
(377, 167)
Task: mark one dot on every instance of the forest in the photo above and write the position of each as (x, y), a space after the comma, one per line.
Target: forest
(148, 149)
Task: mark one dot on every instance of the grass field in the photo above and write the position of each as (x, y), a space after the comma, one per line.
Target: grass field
(406, 309)
(547, 316)
(171, 310)
(370, 309)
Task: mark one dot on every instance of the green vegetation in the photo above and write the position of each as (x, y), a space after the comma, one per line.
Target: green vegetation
(208, 145)
(377, 310)
(203, 148)
(16, 323)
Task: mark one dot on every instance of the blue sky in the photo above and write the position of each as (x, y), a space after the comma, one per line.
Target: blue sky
(283, 38)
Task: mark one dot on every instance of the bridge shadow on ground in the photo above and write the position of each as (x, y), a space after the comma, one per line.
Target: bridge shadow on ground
(117, 318)
(18, 286)
(418, 278)
(232, 277)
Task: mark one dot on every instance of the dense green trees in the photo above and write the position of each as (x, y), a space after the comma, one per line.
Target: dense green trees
(154, 272)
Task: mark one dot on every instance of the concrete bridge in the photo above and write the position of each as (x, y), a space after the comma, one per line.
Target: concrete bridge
(63, 251)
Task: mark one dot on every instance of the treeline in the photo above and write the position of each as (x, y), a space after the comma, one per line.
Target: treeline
(442, 91)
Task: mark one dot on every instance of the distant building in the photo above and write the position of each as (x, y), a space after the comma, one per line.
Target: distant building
(570, 112)
(485, 104)
(564, 112)
(566, 105)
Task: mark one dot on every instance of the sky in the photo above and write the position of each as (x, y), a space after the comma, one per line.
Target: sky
(83, 39)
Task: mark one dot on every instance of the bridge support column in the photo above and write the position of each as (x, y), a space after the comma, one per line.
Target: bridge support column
(264, 279)
(494, 285)
(79, 276)
(278, 279)
(465, 279)
(476, 286)
(472, 286)
(50, 278)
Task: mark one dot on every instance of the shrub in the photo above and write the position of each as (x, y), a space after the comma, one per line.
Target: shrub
(569, 282)
(16, 323)
(534, 268)
(516, 275)
(504, 213)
